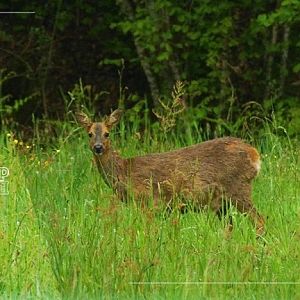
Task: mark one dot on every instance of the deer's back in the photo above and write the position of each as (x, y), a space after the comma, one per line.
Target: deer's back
(224, 162)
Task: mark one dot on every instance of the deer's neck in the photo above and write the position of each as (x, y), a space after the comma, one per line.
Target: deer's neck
(111, 166)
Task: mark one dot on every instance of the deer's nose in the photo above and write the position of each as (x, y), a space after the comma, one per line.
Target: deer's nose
(98, 148)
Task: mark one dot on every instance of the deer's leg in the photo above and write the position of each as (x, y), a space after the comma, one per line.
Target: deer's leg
(214, 196)
(217, 201)
(257, 219)
(240, 195)
(221, 211)
(244, 205)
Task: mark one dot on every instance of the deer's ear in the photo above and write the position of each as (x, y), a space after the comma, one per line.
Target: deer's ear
(83, 120)
(114, 118)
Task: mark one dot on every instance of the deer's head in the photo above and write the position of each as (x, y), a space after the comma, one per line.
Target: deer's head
(99, 131)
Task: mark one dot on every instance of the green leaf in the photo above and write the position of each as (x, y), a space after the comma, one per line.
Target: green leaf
(296, 68)
(163, 56)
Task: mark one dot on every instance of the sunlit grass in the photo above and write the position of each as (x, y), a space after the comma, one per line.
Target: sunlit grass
(64, 234)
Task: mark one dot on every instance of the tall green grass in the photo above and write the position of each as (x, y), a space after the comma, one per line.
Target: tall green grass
(63, 234)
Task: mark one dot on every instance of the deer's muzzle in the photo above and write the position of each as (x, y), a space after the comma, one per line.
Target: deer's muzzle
(98, 149)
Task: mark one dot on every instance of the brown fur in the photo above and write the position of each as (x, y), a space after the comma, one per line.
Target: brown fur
(205, 173)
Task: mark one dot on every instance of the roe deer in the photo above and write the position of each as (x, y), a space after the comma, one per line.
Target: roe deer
(205, 173)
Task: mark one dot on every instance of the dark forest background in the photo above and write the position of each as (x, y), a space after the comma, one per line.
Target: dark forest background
(237, 59)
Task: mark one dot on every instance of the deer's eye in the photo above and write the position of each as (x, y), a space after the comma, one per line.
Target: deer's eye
(106, 134)
(90, 134)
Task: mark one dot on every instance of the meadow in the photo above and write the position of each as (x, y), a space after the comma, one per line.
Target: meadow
(63, 233)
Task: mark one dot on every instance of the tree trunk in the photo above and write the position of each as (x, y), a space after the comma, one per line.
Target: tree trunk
(284, 58)
(127, 9)
(270, 63)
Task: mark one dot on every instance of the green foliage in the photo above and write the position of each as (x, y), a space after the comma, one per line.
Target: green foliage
(7, 110)
(83, 97)
(4, 76)
(286, 113)
(288, 12)
(219, 50)
(228, 55)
